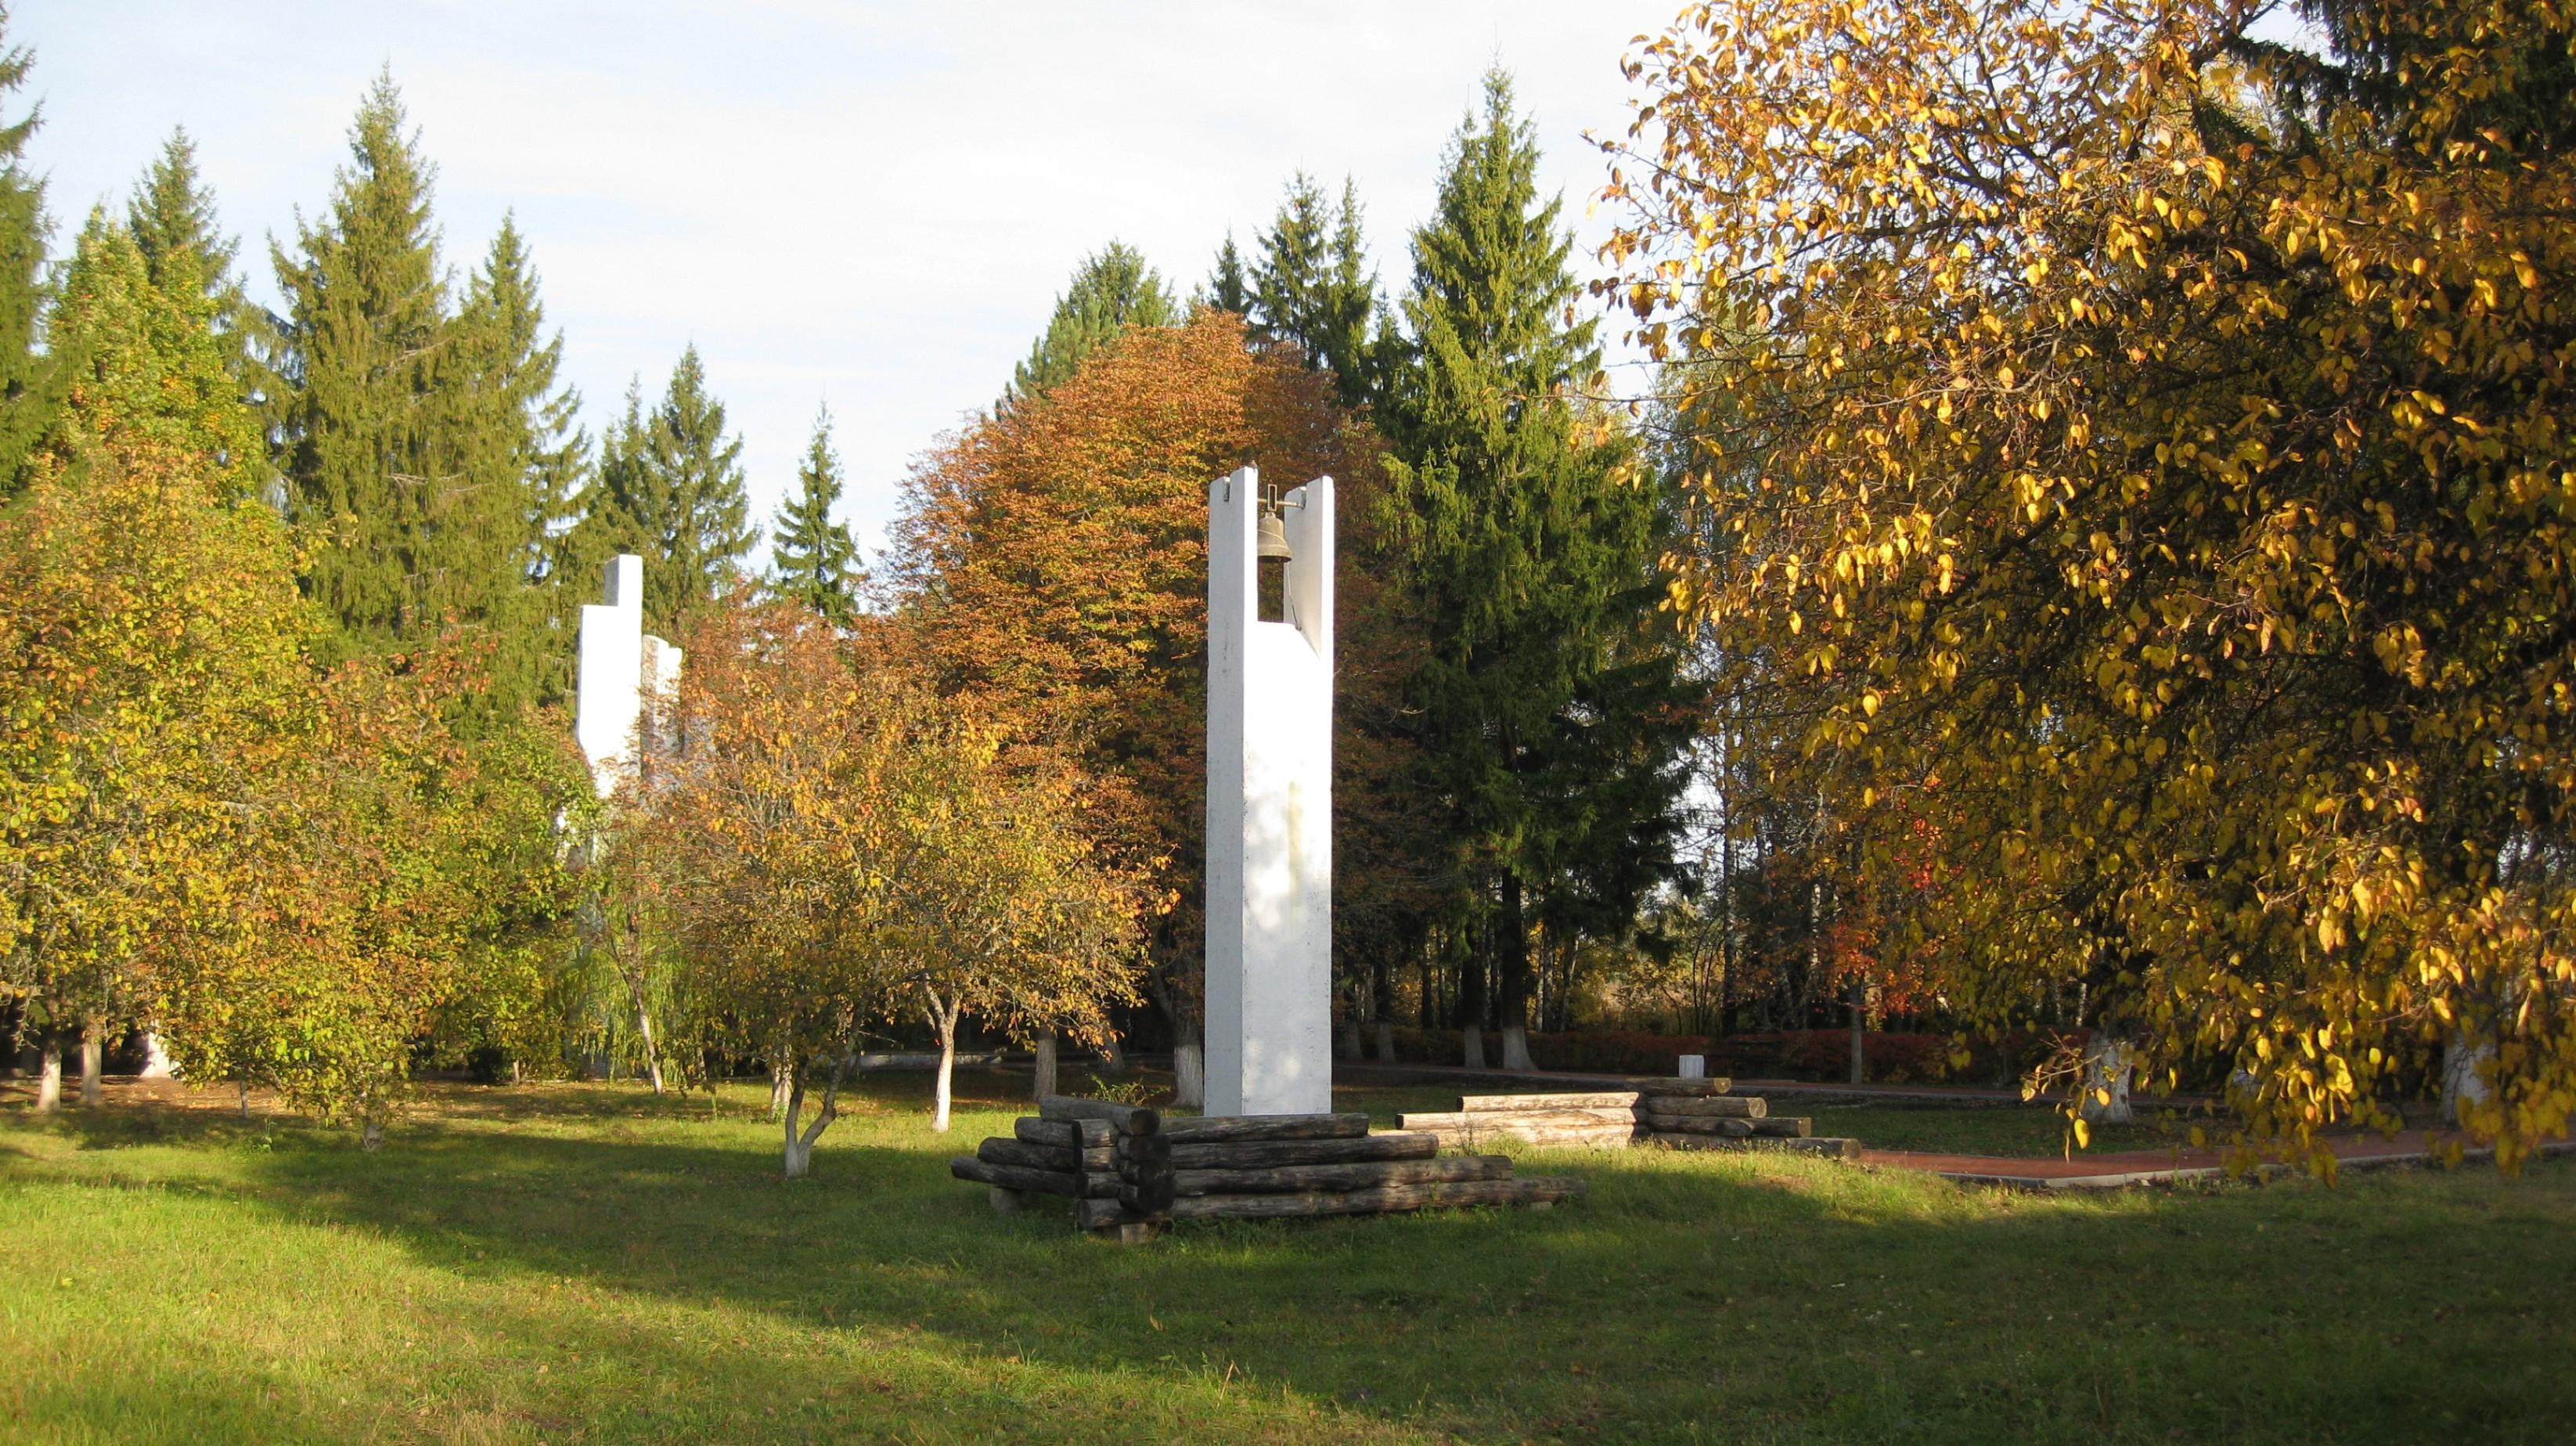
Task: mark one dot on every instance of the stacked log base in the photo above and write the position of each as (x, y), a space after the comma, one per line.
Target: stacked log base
(1131, 1171)
(1693, 1114)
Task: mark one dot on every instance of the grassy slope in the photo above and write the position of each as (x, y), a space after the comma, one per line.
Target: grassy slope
(578, 1263)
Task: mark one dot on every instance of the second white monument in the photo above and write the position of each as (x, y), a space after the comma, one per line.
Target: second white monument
(1269, 803)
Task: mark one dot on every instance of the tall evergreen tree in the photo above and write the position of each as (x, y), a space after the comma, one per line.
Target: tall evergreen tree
(172, 214)
(526, 442)
(670, 488)
(379, 427)
(1228, 287)
(1111, 290)
(30, 390)
(811, 556)
(1312, 286)
(1550, 707)
(143, 366)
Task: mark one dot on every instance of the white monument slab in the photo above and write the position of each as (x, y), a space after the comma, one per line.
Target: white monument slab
(1269, 808)
(621, 666)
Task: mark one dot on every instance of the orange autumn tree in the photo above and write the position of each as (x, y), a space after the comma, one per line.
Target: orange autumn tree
(1054, 560)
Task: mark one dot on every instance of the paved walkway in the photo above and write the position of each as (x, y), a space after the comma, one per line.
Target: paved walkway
(2159, 1167)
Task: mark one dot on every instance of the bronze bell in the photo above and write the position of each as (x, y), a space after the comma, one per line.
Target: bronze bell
(1273, 543)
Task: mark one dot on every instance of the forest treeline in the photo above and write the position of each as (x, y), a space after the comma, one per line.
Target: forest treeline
(2091, 557)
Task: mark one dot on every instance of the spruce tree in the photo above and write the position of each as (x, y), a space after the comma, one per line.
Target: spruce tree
(143, 366)
(670, 488)
(172, 214)
(812, 557)
(1110, 291)
(1312, 288)
(520, 424)
(385, 464)
(1228, 287)
(30, 390)
(1551, 707)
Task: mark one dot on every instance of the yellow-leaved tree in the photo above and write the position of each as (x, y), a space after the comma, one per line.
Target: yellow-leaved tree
(2139, 453)
(834, 844)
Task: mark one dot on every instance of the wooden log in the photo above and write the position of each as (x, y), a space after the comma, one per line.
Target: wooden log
(1354, 1175)
(1106, 1215)
(1700, 1125)
(1142, 1149)
(1149, 1197)
(1677, 1088)
(1525, 1190)
(1739, 1107)
(1498, 1119)
(1082, 1134)
(998, 1151)
(1477, 1104)
(1604, 1137)
(1263, 1154)
(1790, 1126)
(1829, 1147)
(1122, 1119)
(1203, 1129)
(1015, 1177)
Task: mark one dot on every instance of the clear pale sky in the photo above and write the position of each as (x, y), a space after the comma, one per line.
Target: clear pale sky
(872, 205)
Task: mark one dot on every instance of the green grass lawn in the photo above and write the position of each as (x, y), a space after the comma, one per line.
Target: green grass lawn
(582, 1263)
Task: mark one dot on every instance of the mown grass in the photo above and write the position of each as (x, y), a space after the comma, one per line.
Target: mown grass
(583, 1263)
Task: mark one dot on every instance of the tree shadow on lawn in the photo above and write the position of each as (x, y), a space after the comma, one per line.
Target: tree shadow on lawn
(1750, 1295)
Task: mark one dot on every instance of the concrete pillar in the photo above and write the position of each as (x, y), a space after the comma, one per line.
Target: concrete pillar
(621, 667)
(1269, 809)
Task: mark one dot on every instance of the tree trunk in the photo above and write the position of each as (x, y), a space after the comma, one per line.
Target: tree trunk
(943, 1017)
(92, 1095)
(779, 1073)
(1512, 965)
(245, 1094)
(1045, 1082)
(1472, 1045)
(371, 1132)
(1113, 1056)
(1386, 1041)
(800, 1143)
(2109, 1063)
(49, 1077)
(644, 1031)
(1859, 994)
(1346, 1042)
(1189, 1075)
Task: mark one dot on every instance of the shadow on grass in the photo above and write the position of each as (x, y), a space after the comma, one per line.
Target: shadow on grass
(1740, 1296)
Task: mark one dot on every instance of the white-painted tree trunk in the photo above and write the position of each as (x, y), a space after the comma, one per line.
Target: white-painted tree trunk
(1385, 1041)
(1044, 1083)
(1516, 1055)
(1472, 1048)
(371, 1131)
(93, 1093)
(49, 1077)
(2464, 1087)
(778, 1078)
(1189, 1076)
(943, 1017)
(800, 1143)
(245, 1094)
(2109, 1064)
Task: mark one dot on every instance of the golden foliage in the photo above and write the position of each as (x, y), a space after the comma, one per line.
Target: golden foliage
(2143, 453)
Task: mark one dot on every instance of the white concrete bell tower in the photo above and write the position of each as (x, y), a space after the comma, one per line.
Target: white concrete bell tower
(1269, 807)
(621, 666)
